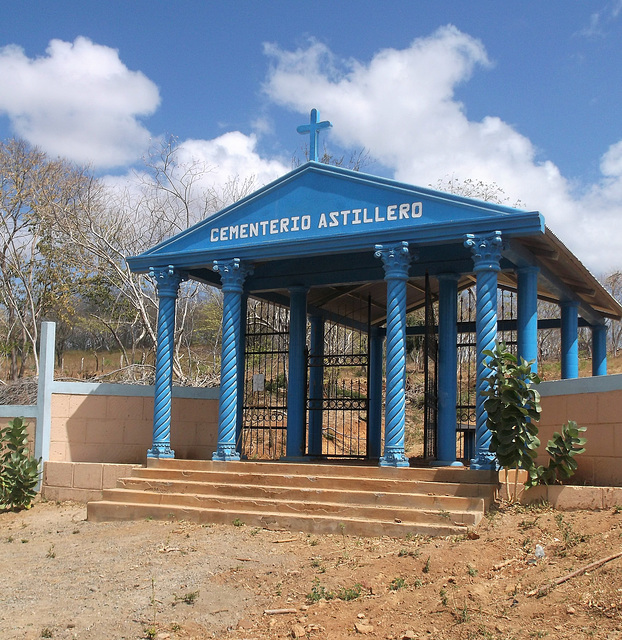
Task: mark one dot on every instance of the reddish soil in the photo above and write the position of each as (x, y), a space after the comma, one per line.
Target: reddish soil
(64, 577)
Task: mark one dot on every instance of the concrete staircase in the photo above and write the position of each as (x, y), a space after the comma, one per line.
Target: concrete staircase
(315, 498)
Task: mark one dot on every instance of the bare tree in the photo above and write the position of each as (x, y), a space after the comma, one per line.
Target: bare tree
(36, 274)
(109, 225)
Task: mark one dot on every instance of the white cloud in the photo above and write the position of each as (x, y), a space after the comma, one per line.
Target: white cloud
(401, 106)
(207, 174)
(231, 155)
(78, 101)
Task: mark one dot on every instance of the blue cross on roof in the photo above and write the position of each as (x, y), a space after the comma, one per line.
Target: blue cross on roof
(313, 129)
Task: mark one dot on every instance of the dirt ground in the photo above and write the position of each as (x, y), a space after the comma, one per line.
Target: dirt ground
(63, 577)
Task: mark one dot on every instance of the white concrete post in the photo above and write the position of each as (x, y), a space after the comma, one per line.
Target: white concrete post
(44, 392)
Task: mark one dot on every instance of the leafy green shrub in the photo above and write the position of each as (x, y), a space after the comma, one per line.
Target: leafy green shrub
(562, 447)
(513, 408)
(19, 471)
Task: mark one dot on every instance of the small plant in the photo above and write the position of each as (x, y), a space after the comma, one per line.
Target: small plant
(152, 629)
(472, 571)
(426, 566)
(150, 632)
(397, 584)
(418, 583)
(255, 531)
(349, 593)
(19, 471)
(527, 524)
(10, 539)
(562, 448)
(316, 563)
(570, 537)
(403, 553)
(462, 615)
(175, 627)
(188, 598)
(51, 553)
(617, 509)
(237, 523)
(443, 513)
(319, 592)
(46, 633)
(444, 598)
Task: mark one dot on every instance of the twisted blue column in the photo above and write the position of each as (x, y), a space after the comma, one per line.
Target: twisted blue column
(396, 261)
(599, 350)
(447, 369)
(570, 339)
(167, 280)
(232, 274)
(486, 250)
(527, 321)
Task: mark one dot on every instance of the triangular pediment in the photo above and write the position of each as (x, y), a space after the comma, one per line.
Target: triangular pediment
(318, 208)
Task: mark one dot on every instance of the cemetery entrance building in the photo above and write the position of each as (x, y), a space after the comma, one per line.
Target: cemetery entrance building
(319, 271)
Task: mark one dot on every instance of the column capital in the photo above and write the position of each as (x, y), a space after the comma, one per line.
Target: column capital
(395, 259)
(167, 280)
(486, 250)
(232, 274)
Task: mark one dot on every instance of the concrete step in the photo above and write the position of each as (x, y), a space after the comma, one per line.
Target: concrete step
(309, 479)
(321, 498)
(461, 514)
(411, 500)
(360, 470)
(108, 511)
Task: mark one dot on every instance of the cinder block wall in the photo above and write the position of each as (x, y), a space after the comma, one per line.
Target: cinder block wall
(595, 403)
(80, 481)
(118, 429)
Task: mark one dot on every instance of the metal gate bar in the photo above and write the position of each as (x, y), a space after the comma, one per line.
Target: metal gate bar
(264, 418)
(344, 403)
(430, 376)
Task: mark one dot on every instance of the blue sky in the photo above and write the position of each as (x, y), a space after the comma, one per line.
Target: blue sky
(526, 94)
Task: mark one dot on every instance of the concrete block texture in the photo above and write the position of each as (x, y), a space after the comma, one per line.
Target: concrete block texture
(79, 481)
(58, 474)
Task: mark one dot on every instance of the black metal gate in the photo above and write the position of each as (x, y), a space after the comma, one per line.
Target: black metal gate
(430, 366)
(264, 410)
(345, 403)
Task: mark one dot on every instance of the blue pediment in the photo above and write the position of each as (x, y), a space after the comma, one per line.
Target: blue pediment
(319, 208)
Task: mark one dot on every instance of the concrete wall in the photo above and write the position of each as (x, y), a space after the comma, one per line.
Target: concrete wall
(114, 423)
(80, 481)
(595, 403)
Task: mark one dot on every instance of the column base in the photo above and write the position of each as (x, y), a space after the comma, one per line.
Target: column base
(445, 463)
(484, 461)
(160, 451)
(226, 453)
(394, 458)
